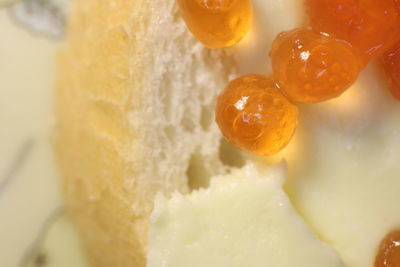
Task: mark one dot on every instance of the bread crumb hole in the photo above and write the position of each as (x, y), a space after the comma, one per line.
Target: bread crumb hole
(197, 173)
(188, 123)
(206, 117)
(230, 155)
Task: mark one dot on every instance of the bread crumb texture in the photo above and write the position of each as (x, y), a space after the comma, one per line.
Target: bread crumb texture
(134, 104)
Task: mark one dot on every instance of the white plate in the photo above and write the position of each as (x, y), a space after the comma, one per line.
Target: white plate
(34, 230)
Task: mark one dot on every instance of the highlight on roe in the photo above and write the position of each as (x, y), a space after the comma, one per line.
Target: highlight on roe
(311, 67)
(370, 25)
(391, 66)
(217, 23)
(389, 251)
(255, 116)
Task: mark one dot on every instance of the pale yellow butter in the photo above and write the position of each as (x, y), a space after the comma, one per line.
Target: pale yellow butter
(243, 219)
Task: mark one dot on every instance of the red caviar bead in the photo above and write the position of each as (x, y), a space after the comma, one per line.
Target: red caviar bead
(253, 115)
(391, 65)
(310, 67)
(389, 251)
(370, 25)
(217, 23)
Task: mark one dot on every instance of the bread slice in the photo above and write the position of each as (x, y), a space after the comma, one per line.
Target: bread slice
(134, 105)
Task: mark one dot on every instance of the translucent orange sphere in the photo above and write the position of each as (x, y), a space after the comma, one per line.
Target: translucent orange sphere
(370, 25)
(389, 251)
(391, 65)
(311, 67)
(254, 116)
(217, 23)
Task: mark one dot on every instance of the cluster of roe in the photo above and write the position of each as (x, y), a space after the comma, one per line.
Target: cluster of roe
(256, 113)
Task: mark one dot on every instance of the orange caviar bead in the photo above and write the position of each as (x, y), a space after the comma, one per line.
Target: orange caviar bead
(391, 66)
(253, 115)
(389, 251)
(217, 23)
(370, 25)
(310, 67)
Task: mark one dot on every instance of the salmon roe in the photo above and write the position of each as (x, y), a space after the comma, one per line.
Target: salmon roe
(217, 23)
(370, 25)
(253, 115)
(391, 65)
(389, 251)
(311, 67)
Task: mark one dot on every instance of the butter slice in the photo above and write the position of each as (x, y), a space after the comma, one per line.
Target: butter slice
(243, 219)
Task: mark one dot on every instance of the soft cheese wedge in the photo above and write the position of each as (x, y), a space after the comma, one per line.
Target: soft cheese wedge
(243, 219)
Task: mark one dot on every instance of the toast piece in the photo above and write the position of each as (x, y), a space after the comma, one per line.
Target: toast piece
(134, 105)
